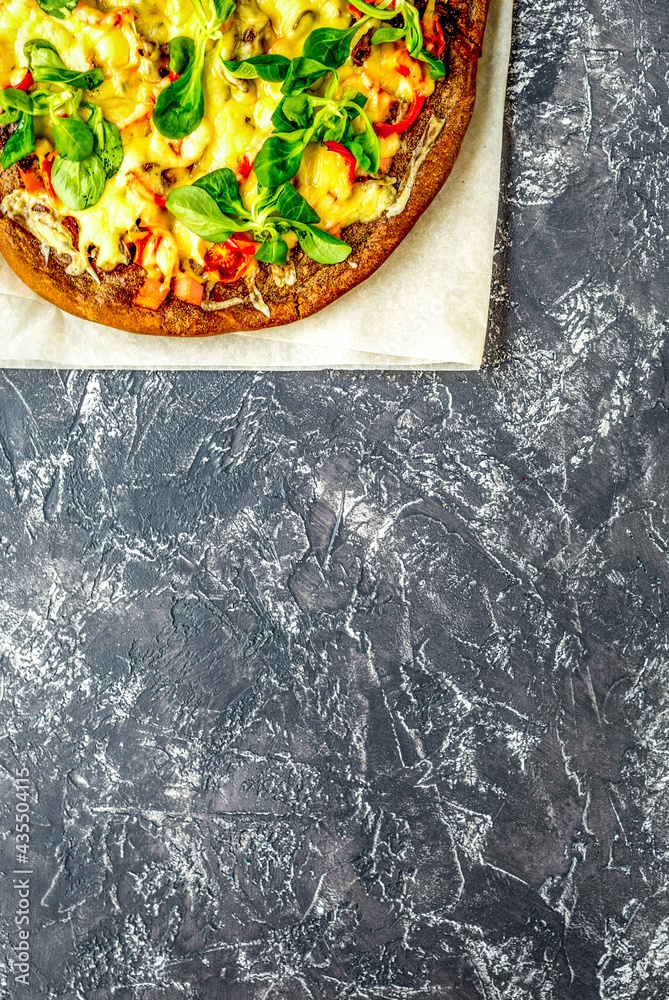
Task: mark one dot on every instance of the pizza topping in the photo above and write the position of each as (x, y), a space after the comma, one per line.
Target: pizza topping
(410, 30)
(257, 300)
(47, 163)
(152, 294)
(328, 48)
(270, 67)
(212, 208)
(159, 255)
(78, 183)
(27, 82)
(227, 261)
(181, 52)
(387, 128)
(57, 8)
(89, 148)
(434, 35)
(449, 14)
(207, 305)
(243, 243)
(348, 156)
(108, 144)
(47, 67)
(284, 276)
(20, 143)
(304, 118)
(362, 49)
(32, 179)
(188, 289)
(144, 190)
(244, 169)
(180, 107)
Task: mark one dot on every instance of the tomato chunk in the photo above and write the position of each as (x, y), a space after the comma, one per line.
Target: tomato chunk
(152, 293)
(230, 259)
(188, 289)
(32, 180)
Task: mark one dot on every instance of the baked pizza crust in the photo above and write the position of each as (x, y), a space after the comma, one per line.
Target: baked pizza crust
(421, 167)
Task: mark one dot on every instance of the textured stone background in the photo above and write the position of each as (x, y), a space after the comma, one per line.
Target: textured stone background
(354, 685)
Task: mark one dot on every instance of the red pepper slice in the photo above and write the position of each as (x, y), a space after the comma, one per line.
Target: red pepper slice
(47, 163)
(349, 158)
(138, 239)
(26, 83)
(136, 181)
(383, 129)
(358, 13)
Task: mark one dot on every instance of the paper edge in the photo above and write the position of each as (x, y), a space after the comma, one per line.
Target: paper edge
(364, 361)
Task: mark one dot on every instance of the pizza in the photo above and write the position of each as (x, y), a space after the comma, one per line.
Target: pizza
(191, 167)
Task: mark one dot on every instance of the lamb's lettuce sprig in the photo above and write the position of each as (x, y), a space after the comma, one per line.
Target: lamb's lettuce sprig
(212, 208)
(268, 66)
(46, 66)
(324, 51)
(303, 118)
(22, 140)
(58, 8)
(89, 147)
(179, 108)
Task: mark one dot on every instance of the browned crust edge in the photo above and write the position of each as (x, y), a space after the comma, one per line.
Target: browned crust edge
(111, 302)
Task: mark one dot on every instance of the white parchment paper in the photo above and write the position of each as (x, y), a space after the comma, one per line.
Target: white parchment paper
(426, 306)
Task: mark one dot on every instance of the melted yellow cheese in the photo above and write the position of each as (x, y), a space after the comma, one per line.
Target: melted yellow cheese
(124, 41)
